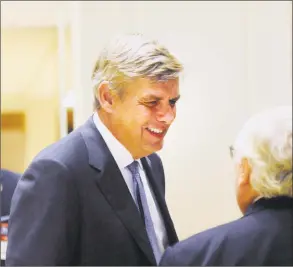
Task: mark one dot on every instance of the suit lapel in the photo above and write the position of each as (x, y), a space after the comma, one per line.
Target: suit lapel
(160, 199)
(112, 184)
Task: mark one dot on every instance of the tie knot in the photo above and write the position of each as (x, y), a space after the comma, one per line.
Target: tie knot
(133, 167)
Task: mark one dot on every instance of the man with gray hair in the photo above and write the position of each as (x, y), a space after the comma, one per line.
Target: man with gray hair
(262, 155)
(96, 197)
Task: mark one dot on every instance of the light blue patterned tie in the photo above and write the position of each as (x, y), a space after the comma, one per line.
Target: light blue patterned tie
(140, 198)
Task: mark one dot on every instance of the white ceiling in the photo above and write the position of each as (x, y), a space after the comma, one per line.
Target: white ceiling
(33, 13)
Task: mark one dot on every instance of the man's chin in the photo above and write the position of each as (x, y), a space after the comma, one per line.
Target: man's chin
(155, 147)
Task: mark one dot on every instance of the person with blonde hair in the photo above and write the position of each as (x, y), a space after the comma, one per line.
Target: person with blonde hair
(97, 196)
(262, 154)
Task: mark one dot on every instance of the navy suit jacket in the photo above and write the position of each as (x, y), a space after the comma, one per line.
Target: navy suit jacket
(8, 181)
(263, 237)
(73, 207)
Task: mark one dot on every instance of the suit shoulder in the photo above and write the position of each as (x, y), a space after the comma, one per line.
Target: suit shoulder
(9, 175)
(206, 237)
(202, 248)
(65, 150)
(223, 233)
(220, 245)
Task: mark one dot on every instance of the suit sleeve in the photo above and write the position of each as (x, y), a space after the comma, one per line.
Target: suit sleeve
(43, 225)
(168, 258)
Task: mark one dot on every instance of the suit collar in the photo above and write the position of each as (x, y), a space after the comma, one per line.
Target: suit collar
(270, 203)
(150, 169)
(112, 185)
(98, 152)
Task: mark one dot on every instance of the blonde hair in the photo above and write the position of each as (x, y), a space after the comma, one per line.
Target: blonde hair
(133, 56)
(266, 141)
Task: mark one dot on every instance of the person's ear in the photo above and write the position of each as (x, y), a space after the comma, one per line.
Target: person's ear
(105, 96)
(245, 172)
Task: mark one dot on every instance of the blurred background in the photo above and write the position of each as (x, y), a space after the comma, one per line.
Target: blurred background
(238, 61)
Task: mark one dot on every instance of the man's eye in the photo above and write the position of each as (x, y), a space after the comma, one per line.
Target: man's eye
(151, 103)
(172, 103)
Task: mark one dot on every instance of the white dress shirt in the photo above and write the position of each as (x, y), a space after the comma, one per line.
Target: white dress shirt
(123, 158)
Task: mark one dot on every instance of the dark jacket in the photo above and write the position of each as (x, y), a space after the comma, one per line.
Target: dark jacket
(264, 236)
(73, 207)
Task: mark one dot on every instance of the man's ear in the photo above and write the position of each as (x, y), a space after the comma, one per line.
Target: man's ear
(105, 96)
(245, 171)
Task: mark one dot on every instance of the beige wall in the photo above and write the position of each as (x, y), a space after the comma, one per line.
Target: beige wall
(29, 83)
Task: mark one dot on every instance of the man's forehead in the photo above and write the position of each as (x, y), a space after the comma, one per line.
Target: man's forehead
(158, 95)
(161, 87)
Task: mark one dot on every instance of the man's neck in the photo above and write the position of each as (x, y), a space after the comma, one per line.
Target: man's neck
(104, 117)
(105, 120)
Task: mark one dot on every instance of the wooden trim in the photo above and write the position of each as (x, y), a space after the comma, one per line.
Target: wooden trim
(69, 120)
(13, 121)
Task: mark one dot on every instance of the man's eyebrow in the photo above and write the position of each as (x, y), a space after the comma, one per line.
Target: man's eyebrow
(148, 97)
(155, 97)
(175, 99)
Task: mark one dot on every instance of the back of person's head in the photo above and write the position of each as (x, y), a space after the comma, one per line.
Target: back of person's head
(263, 150)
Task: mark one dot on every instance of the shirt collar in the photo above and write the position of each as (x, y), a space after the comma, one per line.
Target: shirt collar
(280, 202)
(121, 155)
(256, 199)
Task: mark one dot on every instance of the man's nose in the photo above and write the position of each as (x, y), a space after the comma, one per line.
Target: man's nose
(167, 115)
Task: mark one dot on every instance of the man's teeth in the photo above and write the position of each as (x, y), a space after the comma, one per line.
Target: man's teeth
(154, 130)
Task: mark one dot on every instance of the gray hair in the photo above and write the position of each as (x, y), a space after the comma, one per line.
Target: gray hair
(133, 56)
(266, 141)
